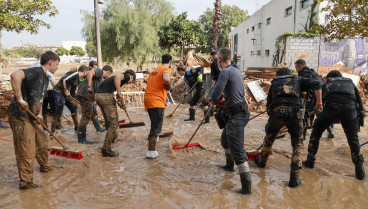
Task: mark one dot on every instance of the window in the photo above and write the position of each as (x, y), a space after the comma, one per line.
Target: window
(304, 3)
(248, 30)
(259, 25)
(235, 43)
(288, 11)
(268, 21)
(251, 53)
(267, 52)
(259, 52)
(253, 28)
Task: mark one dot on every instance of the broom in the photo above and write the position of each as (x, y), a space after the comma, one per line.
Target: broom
(190, 90)
(131, 124)
(166, 134)
(62, 152)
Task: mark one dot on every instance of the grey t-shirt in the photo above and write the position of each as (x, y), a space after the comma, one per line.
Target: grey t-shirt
(230, 82)
(96, 81)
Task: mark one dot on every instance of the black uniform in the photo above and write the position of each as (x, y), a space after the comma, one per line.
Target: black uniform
(342, 102)
(284, 107)
(190, 78)
(215, 71)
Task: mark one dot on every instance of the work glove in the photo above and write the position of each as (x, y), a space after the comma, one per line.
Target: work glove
(186, 94)
(90, 90)
(318, 109)
(361, 116)
(199, 78)
(67, 93)
(23, 105)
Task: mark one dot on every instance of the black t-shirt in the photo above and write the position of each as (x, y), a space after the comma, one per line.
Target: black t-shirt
(215, 71)
(96, 81)
(71, 79)
(33, 89)
(108, 85)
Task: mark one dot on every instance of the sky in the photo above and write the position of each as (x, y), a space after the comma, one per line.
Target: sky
(67, 25)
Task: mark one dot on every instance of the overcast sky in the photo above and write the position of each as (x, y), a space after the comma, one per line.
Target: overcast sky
(66, 26)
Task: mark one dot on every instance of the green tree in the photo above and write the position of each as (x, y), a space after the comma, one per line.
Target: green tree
(28, 51)
(77, 50)
(181, 32)
(345, 19)
(231, 16)
(20, 15)
(62, 51)
(129, 29)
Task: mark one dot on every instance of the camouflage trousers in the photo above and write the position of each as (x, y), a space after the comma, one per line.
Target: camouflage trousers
(29, 142)
(107, 104)
(89, 111)
(295, 129)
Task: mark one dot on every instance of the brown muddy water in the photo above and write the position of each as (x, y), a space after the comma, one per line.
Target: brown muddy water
(188, 180)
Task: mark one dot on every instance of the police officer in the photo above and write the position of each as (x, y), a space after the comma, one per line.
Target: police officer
(231, 84)
(63, 92)
(106, 101)
(30, 140)
(215, 71)
(86, 97)
(284, 107)
(195, 77)
(342, 102)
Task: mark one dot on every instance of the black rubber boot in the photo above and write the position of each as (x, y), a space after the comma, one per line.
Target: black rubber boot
(109, 153)
(309, 163)
(246, 182)
(229, 163)
(257, 160)
(82, 136)
(207, 120)
(191, 115)
(98, 128)
(359, 171)
(294, 179)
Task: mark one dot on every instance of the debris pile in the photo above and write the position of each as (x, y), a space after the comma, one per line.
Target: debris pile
(6, 94)
(363, 89)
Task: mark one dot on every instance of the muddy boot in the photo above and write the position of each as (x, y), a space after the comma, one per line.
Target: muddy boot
(54, 124)
(29, 185)
(229, 161)
(58, 124)
(98, 128)
(212, 112)
(257, 160)
(207, 120)
(109, 153)
(75, 121)
(294, 179)
(359, 171)
(191, 115)
(152, 153)
(245, 178)
(309, 163)
(82, 136)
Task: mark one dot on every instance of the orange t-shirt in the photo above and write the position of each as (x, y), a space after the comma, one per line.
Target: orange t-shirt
(155, 94)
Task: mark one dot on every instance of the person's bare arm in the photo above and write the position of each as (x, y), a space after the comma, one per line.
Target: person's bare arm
(117, 81)
(16, 82)
(318, 96)
(90, 75)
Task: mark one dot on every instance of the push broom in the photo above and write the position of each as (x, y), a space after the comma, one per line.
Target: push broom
(131, 124)
(58, 151)
(190, 90)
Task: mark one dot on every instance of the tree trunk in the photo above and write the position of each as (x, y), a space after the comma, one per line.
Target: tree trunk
(181, 52)
(216, 21)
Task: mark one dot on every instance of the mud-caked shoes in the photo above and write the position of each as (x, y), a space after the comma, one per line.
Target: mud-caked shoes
(109, 153)
(151, 154)
(257, 161)
(229, 162)
(359, 171)
(294, 179)
(309, 163)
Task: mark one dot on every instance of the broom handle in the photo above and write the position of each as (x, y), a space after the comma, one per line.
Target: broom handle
(257, 115)
(67, 119)
(45, 127)
(364, 143)
(6, 139)
(127, 115)
(208, 112)
(180, 100)
(76, 100)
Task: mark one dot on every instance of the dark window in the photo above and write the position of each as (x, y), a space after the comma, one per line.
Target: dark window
(259, 52)
(235, 43)
(259, 25)
(268, 21)
(288, 11)
(267, 52)
(251, 53)
(253, 28)
(304, 3)
(248, 30)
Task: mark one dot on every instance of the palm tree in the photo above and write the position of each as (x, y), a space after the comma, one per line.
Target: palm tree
(216, 21)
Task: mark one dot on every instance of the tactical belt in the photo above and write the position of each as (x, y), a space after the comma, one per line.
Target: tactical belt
(237, 108)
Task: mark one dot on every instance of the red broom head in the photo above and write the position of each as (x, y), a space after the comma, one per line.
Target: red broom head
(77, 156)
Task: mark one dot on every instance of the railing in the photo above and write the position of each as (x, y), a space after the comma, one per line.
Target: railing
(135, 99)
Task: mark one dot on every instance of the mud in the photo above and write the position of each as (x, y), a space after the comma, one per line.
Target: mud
(190, 180)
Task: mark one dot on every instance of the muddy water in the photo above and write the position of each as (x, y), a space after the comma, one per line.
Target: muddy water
(189, 180)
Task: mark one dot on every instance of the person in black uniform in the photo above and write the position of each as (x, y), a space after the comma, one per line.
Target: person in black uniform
(284, 107)
(194, 77)
(341, 102)
(62, 93)
(107, 103)
(215, 71)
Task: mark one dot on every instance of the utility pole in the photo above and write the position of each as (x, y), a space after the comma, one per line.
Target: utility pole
(98, 37)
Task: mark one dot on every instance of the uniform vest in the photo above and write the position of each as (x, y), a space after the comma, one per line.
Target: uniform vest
(339, 85)
(285, 86)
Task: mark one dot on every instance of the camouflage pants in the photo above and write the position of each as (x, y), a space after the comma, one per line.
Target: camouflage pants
(295, 129)
(348, 116)
(29, 142)
(107, 104)
(88, 111)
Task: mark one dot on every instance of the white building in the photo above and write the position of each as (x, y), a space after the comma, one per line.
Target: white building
(254, 40)
(68, 44)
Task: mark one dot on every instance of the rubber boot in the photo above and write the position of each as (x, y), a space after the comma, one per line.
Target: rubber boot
(309, 163)
(75, 121)
(294, 179)
(229, 162)
(207, 120)
(98, 128)
(257, 160)
(191, 115)
(82, 136)
(246, 182)
(109, 153)
(359, 171)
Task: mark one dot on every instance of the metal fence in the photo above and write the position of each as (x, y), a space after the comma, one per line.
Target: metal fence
(135, 99)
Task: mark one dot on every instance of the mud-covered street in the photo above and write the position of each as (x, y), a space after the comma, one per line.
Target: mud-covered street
(182, 179)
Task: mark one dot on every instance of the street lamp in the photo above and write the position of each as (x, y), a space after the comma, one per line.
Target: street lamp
(98, 38)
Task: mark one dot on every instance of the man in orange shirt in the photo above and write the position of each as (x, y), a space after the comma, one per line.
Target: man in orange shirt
(154, 100)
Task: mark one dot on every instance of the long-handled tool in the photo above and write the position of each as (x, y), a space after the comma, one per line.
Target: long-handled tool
(190, 90)
(62, 152)
(194, 144)
(52, 113)
(166, 134)
(6, 139)
(257, 115)
(364, 143)
(131, 124)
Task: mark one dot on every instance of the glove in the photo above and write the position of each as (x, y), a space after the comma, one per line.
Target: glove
(199, 78)
(38, 120)
(361, 116)
(186, 94)
(318, 109)
(23, 105)
(119, 97)
(67, 93)
(90, 89)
